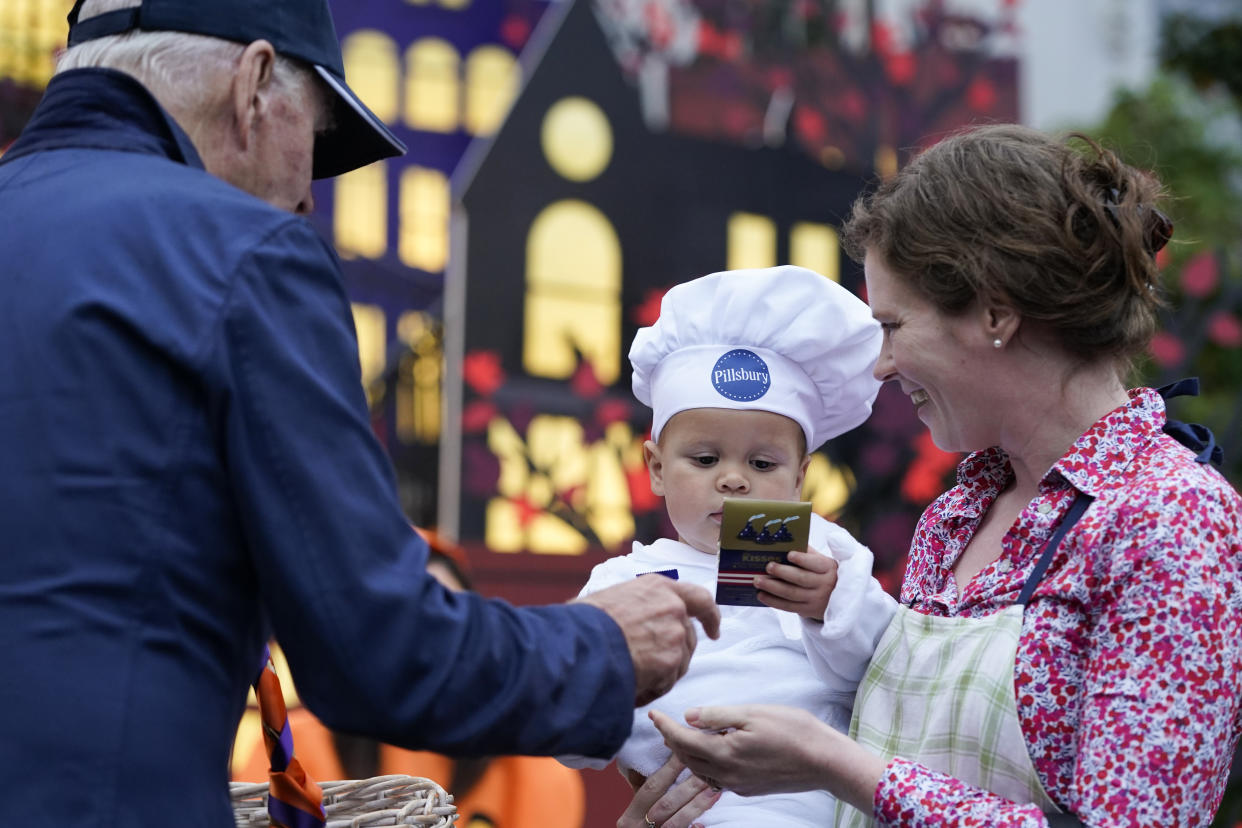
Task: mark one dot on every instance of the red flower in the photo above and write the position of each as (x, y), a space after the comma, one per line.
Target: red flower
(1225, 330)
(901, 68)
(526, 511)
(881, 39)
(476, 415)
(1200, 275)
(810, 125)
(611, 411)
(641, 498)
(483, 372)
(514, 31)
(584, 382)
(1166, 349)
(925, 477)
(646, 313)
(981, 95)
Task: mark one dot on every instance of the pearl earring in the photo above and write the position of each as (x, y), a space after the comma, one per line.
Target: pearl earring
(998, 342)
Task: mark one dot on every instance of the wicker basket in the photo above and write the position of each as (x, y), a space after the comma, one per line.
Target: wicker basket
(357, 803)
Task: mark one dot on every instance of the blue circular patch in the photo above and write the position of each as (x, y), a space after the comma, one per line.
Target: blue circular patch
(741, 375)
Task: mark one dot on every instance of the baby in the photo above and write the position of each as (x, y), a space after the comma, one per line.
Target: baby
(747, 372)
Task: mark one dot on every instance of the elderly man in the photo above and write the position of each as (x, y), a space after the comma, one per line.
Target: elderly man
(188, 464)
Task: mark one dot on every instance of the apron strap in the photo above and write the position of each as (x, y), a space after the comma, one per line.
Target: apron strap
(1198, 438)
(1081, 502)
(1077, 508)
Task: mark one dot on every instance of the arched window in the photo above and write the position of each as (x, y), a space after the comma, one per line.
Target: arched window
(360, 212)
(423, 237)
(492, 80)
(373, 70)
(573, 293)
(432, 87)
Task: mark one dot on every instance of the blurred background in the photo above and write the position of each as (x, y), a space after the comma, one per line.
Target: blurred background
(572, 159)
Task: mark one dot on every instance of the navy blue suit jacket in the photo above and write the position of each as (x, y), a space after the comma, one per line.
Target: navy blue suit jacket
(186, 465)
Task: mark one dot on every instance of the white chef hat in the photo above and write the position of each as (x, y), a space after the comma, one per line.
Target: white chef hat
(783, 339)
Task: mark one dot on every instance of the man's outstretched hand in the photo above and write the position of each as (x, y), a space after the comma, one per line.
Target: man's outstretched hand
(654, 613)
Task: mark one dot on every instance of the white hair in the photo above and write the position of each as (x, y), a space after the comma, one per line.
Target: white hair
(177, 67)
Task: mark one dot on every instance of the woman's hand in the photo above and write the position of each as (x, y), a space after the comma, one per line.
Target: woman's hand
(770, 749)
(655, 803)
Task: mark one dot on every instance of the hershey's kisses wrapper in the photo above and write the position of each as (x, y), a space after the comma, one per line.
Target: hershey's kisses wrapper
(752, 534)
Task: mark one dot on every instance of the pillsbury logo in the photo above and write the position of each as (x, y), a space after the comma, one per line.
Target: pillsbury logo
(741, 375)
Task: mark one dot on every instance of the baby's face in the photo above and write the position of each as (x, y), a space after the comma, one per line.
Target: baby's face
(708, 454)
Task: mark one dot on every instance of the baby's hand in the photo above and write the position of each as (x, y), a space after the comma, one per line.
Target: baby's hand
(804, 585)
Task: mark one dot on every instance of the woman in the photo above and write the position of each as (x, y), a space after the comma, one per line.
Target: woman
(1015, 280)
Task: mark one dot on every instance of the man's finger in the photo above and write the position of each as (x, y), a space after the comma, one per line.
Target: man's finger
(700, 605)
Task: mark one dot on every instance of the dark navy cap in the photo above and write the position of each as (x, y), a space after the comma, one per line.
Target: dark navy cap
(300, 29)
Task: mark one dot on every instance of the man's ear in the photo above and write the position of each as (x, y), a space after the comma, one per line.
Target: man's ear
(653, 457)
(251, 81)
(999, 323)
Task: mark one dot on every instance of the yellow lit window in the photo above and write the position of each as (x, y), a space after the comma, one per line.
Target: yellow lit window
(360, 212)
(373, 70)
(423, 240)
(49, 35)
(573, 293)
(607, 496)
(555, 490)
(372, 341)
(419, 384)
(751, 241)
(816, 247)
(492, 76)
(826, 486)
(455, 5)
(432, 88)
(13, 38)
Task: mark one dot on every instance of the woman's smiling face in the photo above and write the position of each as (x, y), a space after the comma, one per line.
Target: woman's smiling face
(928, 354)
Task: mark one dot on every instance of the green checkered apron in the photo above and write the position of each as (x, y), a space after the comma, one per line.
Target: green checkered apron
(939, 691)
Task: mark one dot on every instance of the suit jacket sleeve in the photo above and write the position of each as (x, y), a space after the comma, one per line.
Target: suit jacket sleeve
(376, 646)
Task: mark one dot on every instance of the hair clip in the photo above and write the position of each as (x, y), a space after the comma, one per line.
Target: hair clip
(1159, 227)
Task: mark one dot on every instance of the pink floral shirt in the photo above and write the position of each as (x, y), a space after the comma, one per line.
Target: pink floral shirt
(1129, 669)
